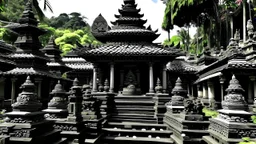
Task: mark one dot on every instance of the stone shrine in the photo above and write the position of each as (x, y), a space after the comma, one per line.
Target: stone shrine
(26, 123)
(57, 107)
(73, 127)
(234, 121)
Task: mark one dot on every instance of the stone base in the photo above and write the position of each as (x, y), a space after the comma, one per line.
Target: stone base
(185, 130)
(55, 114)
(228, 132)
(175, 109)
(71, 130)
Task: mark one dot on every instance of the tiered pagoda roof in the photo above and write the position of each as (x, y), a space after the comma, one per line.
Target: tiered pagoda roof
(53, 52)
(73, 61)
(29, 59)
(128, 37)
(6, 63)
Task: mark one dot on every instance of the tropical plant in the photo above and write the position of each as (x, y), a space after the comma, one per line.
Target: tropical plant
(210, 113)
(4, 4)
(247, 140)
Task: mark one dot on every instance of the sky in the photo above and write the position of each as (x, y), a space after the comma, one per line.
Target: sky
(153, 11)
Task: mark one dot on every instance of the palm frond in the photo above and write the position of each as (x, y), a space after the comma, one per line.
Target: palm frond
(47, 5)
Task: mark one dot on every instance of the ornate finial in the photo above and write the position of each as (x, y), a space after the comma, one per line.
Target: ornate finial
(58, 88)
(58, 101)
(106, 85)
(179, 94)
(27, 101)
(149, 28)
(250, 29)
(178, 89)
(237, 35)
(234, 100)
(158, 87)
(101, 87)
(76, 83)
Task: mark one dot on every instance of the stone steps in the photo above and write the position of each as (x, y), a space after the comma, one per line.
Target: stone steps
(132, 120)
(137, 140)
(137, 125)
(139, 132)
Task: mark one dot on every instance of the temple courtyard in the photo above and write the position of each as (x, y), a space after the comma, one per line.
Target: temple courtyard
(128, 90)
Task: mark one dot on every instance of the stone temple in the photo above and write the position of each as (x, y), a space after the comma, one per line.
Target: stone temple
(126, 90)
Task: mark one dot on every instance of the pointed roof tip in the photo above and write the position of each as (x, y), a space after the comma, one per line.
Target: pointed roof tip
(233, 76)
(58, 82)
(100, 15)
(178, 79)
(28, 78)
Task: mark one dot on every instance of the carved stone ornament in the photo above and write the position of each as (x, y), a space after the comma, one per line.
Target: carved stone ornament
(193, 106)
(59, 100)
(234, 100)
(250, 29)
(179, 94)
(106, 85)
(158, 87)
(27, 100)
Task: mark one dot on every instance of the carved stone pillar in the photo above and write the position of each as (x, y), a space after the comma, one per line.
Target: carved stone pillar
(222, 90)
(38, 81)
(210, 91)
(205, 91)
(112, 72)
(199, 91)
(151, 78)
(13, 90)
(94, 84)
(121, 80)
(164, 79)
(251, 89)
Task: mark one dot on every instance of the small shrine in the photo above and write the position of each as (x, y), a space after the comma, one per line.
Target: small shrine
(176, 105)
(73, 127)
(57, 107)
(26, 123)
(234, 121)
(184, 117)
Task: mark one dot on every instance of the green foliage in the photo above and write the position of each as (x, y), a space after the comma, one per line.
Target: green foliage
(174, 41)
(67, 38)
(73, 21)
(210, 113)
(13, 11)
(46, 37)
(253, 118)
(247, 140)
(8, 35)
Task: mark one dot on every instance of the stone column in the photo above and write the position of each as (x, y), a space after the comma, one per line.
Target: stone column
(121, 80)
(164, 79)
(210, 91)
(13, 90)
(251, 89)
(112, 72)
(222, 90)
(231, 26)
(199, 92)
(94, 84)
(205, 91)
(188, 88)
(38, 81)
(138, 77)
(2, 80)
(151, 78)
